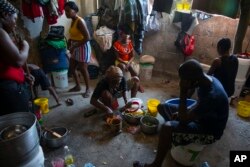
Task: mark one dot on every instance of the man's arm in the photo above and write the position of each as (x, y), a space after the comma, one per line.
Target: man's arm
(216, 63)
(184, 114)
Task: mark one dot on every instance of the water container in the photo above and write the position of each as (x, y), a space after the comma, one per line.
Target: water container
(186, 155)
(152, 106)
(43, 103)
(146, 71)
(60, 78)
(243, 108)
(239, 84)
(243, 67)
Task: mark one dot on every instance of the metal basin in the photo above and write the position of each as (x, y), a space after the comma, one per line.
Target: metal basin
(54, 142)
(149, 124)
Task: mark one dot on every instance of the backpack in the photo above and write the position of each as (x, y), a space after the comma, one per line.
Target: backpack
(185, 43)
(56, 32)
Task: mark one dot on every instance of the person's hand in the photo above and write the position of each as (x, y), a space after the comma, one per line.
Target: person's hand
(174, 116)
(23, 44)
(110, 112)
(186, 85)
(30, 79)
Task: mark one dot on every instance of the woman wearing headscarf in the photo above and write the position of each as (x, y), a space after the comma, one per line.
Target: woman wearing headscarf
(14, 94)
(79, 47)
(111, 87)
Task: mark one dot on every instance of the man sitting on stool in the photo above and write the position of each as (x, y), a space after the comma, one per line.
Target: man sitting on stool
(204, 124)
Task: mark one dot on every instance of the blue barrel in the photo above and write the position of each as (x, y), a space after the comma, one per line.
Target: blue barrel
(54, 59)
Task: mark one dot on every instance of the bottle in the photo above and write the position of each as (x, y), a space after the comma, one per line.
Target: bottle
(68, 157)
(205, 164)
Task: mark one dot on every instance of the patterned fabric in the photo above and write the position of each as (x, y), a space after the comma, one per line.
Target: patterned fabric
(185, 138)
(7, 7)
(82, 53)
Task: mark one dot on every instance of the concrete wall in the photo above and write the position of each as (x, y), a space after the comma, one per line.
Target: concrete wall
(161, 43)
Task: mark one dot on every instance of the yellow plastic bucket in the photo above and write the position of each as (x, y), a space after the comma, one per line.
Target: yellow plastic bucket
(152, 106)
(43, 103)
(243, 108)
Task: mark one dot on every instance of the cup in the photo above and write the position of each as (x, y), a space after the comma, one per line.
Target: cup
(57, 162)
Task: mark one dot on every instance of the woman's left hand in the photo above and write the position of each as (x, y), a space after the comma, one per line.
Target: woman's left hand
(30, 78)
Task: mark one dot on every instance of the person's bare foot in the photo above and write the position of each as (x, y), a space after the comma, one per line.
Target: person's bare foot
(141, 89)
(76, 88)
(59, 103)
(86, 94)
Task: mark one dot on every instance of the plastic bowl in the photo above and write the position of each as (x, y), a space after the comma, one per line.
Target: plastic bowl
(175, 102)
(149, 124)
(243, 109)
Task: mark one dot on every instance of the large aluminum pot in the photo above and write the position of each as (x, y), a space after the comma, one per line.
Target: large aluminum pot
(21, 147)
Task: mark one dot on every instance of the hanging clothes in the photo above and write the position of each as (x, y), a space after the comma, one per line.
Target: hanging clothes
(163, 6)
(31, 9)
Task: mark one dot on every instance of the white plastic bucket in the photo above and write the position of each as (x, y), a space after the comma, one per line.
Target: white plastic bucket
(239, 83)
(60, 78)
(186, 155)
(243, 67)
(94, 21)
(146, 71)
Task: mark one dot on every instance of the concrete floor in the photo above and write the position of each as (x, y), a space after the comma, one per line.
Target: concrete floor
(92, 141)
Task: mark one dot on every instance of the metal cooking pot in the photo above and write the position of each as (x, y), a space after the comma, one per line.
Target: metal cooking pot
(54, 142)
(149, 124)
(12, 132)
(22, 147)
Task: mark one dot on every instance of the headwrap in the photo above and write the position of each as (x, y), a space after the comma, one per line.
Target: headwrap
(114, 72)
(7, 7)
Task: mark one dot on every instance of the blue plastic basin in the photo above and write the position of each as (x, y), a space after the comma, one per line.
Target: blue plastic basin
(175, 102)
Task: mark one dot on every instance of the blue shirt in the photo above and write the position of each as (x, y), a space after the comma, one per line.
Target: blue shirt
(212, 109)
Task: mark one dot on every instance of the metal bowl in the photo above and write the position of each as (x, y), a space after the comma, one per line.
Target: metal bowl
(12, 131)
(54, 142)
(129, 118)
(149, 124)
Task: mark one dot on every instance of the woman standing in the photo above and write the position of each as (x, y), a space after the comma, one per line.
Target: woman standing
(14, 92)
(79, 47)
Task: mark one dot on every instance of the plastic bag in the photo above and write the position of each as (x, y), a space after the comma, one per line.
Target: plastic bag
(104, 37)
(154, 22)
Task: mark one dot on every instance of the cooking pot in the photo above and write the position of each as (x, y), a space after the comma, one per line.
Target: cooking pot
(53, 141)
(12, 132)
(19, 142)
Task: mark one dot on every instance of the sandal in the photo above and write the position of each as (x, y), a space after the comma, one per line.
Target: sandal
(86, 94)
(69, 102)
(138, 164)
(75, 89)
